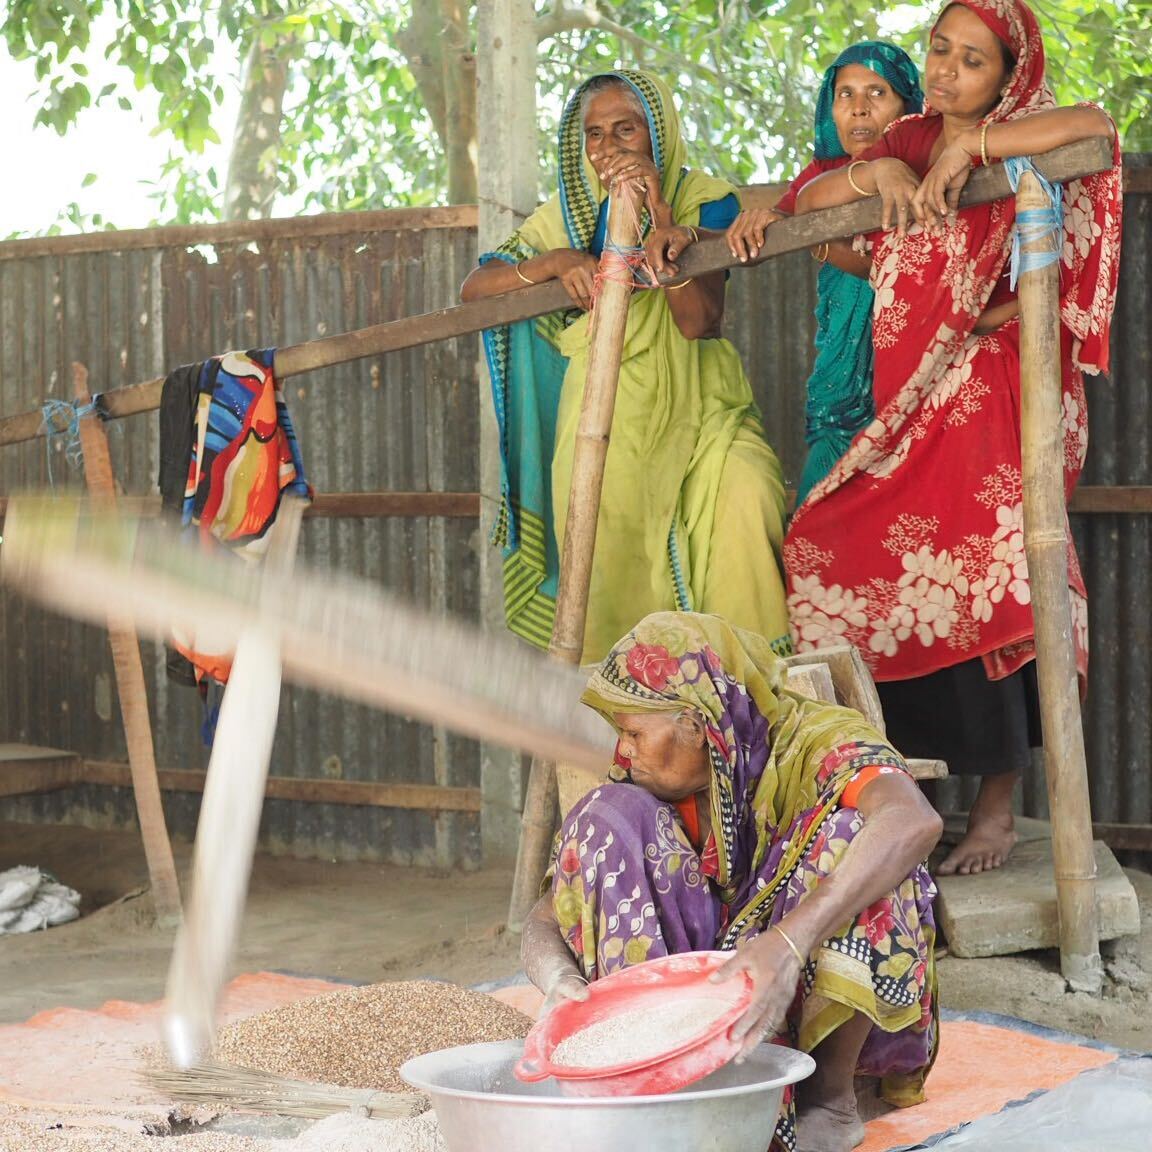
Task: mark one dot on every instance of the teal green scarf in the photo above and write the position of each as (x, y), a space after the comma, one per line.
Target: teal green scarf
(840, 388)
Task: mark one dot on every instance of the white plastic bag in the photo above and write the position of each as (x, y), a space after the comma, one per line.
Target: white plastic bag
(31, 900)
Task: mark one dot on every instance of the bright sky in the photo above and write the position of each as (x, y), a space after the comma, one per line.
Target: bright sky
(49, 170)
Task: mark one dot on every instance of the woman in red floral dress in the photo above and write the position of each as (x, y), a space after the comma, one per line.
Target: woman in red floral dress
(912, 547)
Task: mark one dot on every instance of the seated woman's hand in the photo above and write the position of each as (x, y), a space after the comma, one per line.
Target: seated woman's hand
(576, 270)
(775, 972)
(664, 245)
(637, 171)
(896, 184)
(746, 233)
(564, 986)
(938, 196)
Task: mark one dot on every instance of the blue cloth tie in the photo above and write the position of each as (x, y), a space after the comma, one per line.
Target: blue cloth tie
(1035, 224)
(62, 418)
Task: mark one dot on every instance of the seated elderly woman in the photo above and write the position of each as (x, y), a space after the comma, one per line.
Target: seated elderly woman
(745, 816)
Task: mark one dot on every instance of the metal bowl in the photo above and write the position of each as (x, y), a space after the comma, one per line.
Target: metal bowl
(482, 1107)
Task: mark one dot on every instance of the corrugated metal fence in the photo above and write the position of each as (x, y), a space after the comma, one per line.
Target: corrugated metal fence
(134, 305)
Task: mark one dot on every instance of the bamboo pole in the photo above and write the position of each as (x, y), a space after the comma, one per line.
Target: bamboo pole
(593, 432)
(1046, 550)
(130, 687)
(711, 255)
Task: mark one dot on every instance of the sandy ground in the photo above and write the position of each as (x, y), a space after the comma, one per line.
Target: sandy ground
(367, 923)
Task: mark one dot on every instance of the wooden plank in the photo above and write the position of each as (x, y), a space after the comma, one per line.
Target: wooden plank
(851, 678)
(1126, 499)
(711, 255)
(1086, 501)
(337, 505)
(14, 753)
(351, 505)
(26, 770)
(244, 231)
(1125, 837)
(920, 769)
(129, 671)
(813, 680)
(304, 789)
(1013, 908)
(1137, 181)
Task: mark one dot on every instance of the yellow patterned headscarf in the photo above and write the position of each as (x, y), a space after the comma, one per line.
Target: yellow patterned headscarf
(774, 753)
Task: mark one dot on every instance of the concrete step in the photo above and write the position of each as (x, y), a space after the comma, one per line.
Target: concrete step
(1013, 909)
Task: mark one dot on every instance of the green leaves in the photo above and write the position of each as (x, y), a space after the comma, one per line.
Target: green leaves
(356, 130)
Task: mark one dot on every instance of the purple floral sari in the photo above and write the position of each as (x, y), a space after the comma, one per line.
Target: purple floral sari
(628, 885)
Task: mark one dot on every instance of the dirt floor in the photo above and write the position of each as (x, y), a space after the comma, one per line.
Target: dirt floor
(368, 923)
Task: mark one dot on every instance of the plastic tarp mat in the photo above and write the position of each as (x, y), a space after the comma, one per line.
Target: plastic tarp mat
(1107, 1108)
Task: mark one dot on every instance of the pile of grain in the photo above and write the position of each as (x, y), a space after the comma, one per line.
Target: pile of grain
(344, 1133)
(358, 1038)
(639, 1034)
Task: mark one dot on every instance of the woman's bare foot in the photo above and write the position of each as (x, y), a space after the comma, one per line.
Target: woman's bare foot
(991, 833)
(826, 1116)
(824, 1128)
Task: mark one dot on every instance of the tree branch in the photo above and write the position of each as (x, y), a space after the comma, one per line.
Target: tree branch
(560, 18)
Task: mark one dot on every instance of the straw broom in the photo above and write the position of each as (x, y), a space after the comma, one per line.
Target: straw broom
(229, 1085)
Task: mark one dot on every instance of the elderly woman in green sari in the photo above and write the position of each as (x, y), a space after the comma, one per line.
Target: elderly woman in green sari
(691, 513)
(866, 87)
(744, 816)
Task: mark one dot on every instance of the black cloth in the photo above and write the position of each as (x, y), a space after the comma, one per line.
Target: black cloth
(177, 428)
(979, 727)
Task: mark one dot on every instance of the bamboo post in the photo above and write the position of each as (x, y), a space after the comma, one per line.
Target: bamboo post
(593, 432)
(229, 817)
(129, 672)
(1046, 550)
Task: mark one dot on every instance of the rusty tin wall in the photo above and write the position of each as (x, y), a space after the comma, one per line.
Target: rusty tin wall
(407, 421)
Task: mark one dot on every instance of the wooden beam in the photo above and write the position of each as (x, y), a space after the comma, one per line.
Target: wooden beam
(710, 255)
(244, 231)
(1087, 500)
(1115, 499)
(352, 505)
(1137, 181)
(307, 790)
(31, 777)
(1124, 837)
(130, 687)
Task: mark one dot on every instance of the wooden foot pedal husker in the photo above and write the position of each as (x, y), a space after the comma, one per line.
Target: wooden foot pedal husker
(327, 631)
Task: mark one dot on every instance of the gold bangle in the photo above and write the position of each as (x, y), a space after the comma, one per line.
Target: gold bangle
(788, 940)
(984, 143)
(695, 234)
(673, 287)
(856, 187)
(816, 255)
(521, 274)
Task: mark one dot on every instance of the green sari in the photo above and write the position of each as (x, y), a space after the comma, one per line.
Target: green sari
(692, 507)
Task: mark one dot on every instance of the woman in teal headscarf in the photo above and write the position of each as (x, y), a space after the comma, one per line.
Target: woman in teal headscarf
(692, 507)
(867, 87)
